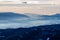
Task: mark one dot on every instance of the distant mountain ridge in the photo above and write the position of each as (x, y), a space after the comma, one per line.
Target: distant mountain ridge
(45, 17)
(50, 17)
(16, 20)
(11, 15)
(7, 15)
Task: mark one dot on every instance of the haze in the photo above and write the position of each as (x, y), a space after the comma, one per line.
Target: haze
(36, 7)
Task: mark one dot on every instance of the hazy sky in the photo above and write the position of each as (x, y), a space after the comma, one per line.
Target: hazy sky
(45, 7)
(29, 0)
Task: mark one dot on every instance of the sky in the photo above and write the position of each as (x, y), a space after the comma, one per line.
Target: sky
(29, 0)
(42, 7)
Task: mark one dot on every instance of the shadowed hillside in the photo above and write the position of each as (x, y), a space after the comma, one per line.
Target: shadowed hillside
(33, 33)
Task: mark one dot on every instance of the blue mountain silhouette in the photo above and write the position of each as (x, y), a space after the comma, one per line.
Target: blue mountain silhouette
(11, 15)
(49, 17)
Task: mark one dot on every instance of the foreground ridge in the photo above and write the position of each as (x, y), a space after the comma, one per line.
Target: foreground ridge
(50, 32)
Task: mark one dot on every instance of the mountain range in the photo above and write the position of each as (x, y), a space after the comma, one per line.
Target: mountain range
(7, 15)
(17, 20)
(15, 26)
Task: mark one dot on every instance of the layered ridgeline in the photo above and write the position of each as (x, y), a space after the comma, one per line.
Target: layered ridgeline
(17, 20)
